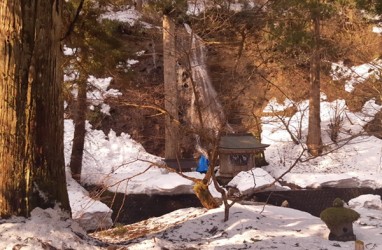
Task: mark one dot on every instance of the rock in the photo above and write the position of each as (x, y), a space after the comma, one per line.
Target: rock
(369, 201)
(91, 221)
(90, 214)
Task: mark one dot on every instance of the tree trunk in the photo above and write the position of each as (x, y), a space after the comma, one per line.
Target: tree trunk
(79, 131)
(201, 187)
(204, 195)
(314, 141)
(138, 5)
(359, 245)
(170, 88)
(31, 108)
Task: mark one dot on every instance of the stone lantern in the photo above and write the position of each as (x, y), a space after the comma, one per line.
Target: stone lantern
(339, 220)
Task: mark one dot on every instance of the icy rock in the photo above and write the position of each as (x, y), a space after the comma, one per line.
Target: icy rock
(89, 213)
(95, 220)
(366, 201)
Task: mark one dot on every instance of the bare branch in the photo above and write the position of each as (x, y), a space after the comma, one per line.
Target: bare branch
(71, 26)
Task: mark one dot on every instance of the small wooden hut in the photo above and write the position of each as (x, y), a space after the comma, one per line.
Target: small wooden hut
(238, 152)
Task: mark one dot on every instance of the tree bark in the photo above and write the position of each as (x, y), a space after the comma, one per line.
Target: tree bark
(170, 88)
(201, 191)
(359, 245)
(79, 131)
(138, 5)
(314, 141)
(31, 108)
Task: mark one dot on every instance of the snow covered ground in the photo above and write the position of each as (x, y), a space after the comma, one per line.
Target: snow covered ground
(121, 164)
(249, 227)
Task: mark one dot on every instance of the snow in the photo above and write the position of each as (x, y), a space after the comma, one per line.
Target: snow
(355, 156)
(198, 7)
(249, 227)
(377, 30)
(89, 213)
(369, 201)
(356, 74)
(254, 178)
(128, 15)
(100, 92)
(45, 229)
(120, 164)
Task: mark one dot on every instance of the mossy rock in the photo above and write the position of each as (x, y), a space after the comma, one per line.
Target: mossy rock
(338, 202)
(334, 216)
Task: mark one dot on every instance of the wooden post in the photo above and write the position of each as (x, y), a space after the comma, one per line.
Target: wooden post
(358, 245)
(170, 89)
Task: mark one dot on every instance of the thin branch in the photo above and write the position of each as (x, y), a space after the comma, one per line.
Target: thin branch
(71, 25)
(153, 107)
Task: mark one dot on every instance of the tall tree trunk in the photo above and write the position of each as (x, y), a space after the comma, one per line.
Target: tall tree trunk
(79, 131)
(138, 5)
(170, 88)
(31, 108)
(314, 141)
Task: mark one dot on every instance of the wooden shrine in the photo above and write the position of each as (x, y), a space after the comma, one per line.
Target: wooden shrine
(239, 152)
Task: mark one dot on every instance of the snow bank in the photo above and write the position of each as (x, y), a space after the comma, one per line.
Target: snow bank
(90, 214)
(246, 181)
(370, 201)
(45, 229)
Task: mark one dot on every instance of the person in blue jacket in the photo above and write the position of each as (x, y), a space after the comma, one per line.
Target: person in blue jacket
(202, 164)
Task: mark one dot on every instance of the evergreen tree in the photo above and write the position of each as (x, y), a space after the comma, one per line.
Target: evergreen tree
(370, 5)
(97, 50)
(296, 26)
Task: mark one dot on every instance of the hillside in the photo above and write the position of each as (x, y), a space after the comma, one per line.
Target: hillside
(247, 69)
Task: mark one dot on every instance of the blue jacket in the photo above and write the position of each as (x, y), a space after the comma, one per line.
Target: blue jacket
(202, 165)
